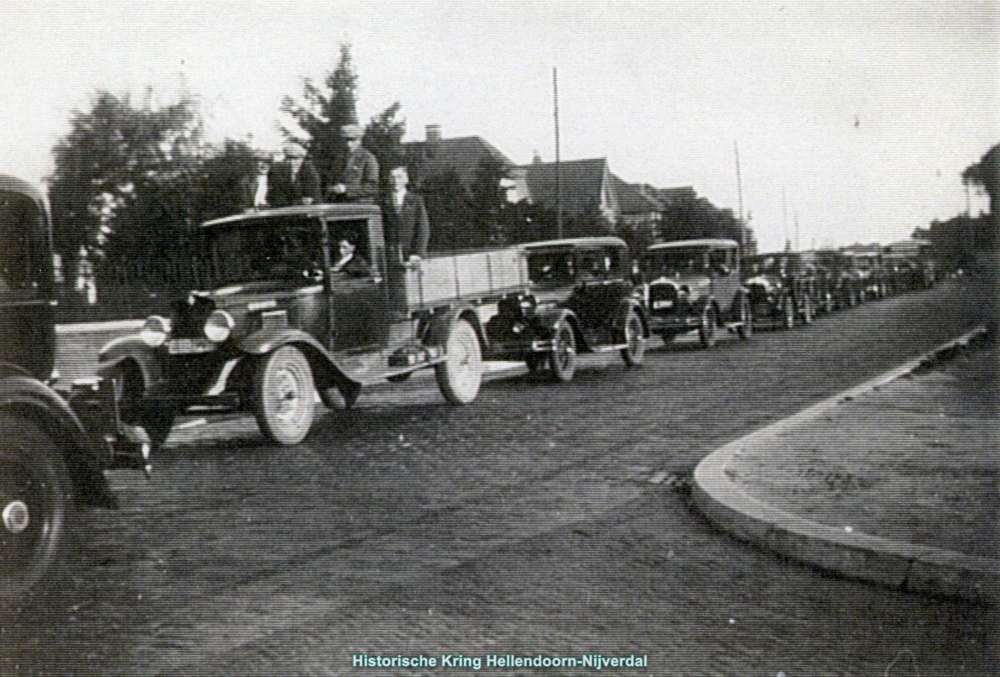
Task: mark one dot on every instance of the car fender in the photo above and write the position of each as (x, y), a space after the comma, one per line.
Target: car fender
(33, 399)
(545, 319)
(624, 307)
(134, 349)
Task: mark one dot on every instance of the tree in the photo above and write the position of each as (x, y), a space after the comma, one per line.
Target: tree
(985, 174)
(322, 114)
(449, 211)
(488, 199)
(113, 154)
(384, 138)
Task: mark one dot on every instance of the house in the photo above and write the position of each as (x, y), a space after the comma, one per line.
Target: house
(640, 209)
(585, 186)
(466, 156)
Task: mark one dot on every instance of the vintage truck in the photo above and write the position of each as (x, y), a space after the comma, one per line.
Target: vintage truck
(271, 318)
(54, 446)
(580, 302)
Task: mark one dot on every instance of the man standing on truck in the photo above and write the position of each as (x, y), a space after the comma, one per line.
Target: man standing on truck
(359, 176)
(407, 226)
(293, 181)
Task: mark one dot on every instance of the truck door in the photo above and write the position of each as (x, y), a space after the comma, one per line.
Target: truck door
(357, 290)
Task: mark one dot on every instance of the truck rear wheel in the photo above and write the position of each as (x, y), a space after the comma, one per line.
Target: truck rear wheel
(461, 374)
(285, 395)
(34, 504)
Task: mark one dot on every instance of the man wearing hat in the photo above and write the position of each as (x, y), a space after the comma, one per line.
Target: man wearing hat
(293, 181)
(359, 177)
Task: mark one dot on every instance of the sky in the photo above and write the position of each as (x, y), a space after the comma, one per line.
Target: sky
(853, 120)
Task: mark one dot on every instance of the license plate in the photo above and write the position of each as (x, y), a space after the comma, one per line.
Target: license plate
(186, 346)
(660, 305)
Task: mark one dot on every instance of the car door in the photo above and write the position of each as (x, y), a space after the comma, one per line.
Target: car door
(358, 295)
(725, 278)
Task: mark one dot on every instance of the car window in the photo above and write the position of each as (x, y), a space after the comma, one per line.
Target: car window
(551, 269)
(592, 265)
(20, 235)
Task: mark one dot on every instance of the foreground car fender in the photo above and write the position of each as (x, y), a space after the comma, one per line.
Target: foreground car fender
(36, 401)
(134, 349)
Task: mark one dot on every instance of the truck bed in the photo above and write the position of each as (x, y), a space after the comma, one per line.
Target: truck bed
(462, 277)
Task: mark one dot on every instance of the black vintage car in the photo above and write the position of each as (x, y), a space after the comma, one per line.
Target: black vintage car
(53, 445)
(842, 286)
(694, 285)
(783, 288)
(580, 302)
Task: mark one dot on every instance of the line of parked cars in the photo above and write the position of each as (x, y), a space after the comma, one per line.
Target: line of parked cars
(271, 319)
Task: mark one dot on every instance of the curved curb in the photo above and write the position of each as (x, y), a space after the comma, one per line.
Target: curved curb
(896, 564)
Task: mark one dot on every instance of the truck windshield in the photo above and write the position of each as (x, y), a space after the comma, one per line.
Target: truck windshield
(261, 250)
(673, 262)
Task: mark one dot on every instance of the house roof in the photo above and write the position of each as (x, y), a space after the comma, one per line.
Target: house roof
(463, 154)
(634, 198)
(580, 181)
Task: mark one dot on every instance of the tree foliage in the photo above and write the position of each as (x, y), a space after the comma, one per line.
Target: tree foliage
(985, 175)
(696, 217)
(384, 139)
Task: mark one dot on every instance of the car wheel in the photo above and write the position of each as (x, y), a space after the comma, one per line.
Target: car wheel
(808, 312)
(461, 374)
(745, 330)
(635, 342)
(34, 505)
(706, 330)
(787, 312)
(562, 359)
(285, 395)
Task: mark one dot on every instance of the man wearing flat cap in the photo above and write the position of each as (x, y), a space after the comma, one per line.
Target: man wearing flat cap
(359, 176)
(293, 181)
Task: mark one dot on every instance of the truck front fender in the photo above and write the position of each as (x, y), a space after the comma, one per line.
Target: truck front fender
(134, 349)
(326, 368)
(34, 400)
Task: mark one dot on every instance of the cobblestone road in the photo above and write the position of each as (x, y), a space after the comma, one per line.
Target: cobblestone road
(541, 519)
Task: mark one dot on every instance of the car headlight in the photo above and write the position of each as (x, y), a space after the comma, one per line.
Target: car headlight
(527, 303)
(219, 326)
(154, 332)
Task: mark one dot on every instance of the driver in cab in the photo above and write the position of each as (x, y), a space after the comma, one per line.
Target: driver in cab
(349, 262)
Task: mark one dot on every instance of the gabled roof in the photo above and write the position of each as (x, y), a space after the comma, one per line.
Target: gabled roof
(634, 198)
(580, 181)
(463, 154)
(679, 194)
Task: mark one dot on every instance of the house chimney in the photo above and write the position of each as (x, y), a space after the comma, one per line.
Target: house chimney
(537, 159)
(433, 132)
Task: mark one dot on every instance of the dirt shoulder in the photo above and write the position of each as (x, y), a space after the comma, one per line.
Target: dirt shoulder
(918, 460)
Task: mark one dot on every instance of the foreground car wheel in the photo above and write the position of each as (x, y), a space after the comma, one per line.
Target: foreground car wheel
(34, 505)
(635, 342)
(285, 395)
(562, 359)
(460, 376)
(129, 388)
(709, 323)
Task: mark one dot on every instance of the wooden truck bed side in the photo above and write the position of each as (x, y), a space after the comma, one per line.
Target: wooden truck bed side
(464, 277)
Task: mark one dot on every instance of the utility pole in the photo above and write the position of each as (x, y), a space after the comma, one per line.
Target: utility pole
(784, 216)
(739, 196)
(555, 115)
(796, 230)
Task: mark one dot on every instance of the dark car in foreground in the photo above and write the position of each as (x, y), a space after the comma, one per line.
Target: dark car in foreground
(580, 302)
(694, 285)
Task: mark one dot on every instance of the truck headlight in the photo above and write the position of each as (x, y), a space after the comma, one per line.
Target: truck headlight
(219, 326)
(154, 332)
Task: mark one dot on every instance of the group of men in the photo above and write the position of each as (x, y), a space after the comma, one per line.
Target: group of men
(294, 180)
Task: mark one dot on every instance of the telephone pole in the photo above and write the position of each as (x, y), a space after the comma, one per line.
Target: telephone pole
(555, 115)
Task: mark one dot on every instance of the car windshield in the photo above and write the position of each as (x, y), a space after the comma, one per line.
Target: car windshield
(551, 269)
(672, 262)
(257, 250)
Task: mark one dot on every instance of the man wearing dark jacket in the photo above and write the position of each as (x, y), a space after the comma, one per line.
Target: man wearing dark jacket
(358, 180)
(407, 226)
(293, 181)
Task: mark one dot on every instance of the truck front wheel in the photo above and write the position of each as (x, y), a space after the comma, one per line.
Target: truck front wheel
(285, 395)
(34, 504)
(461, 373)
